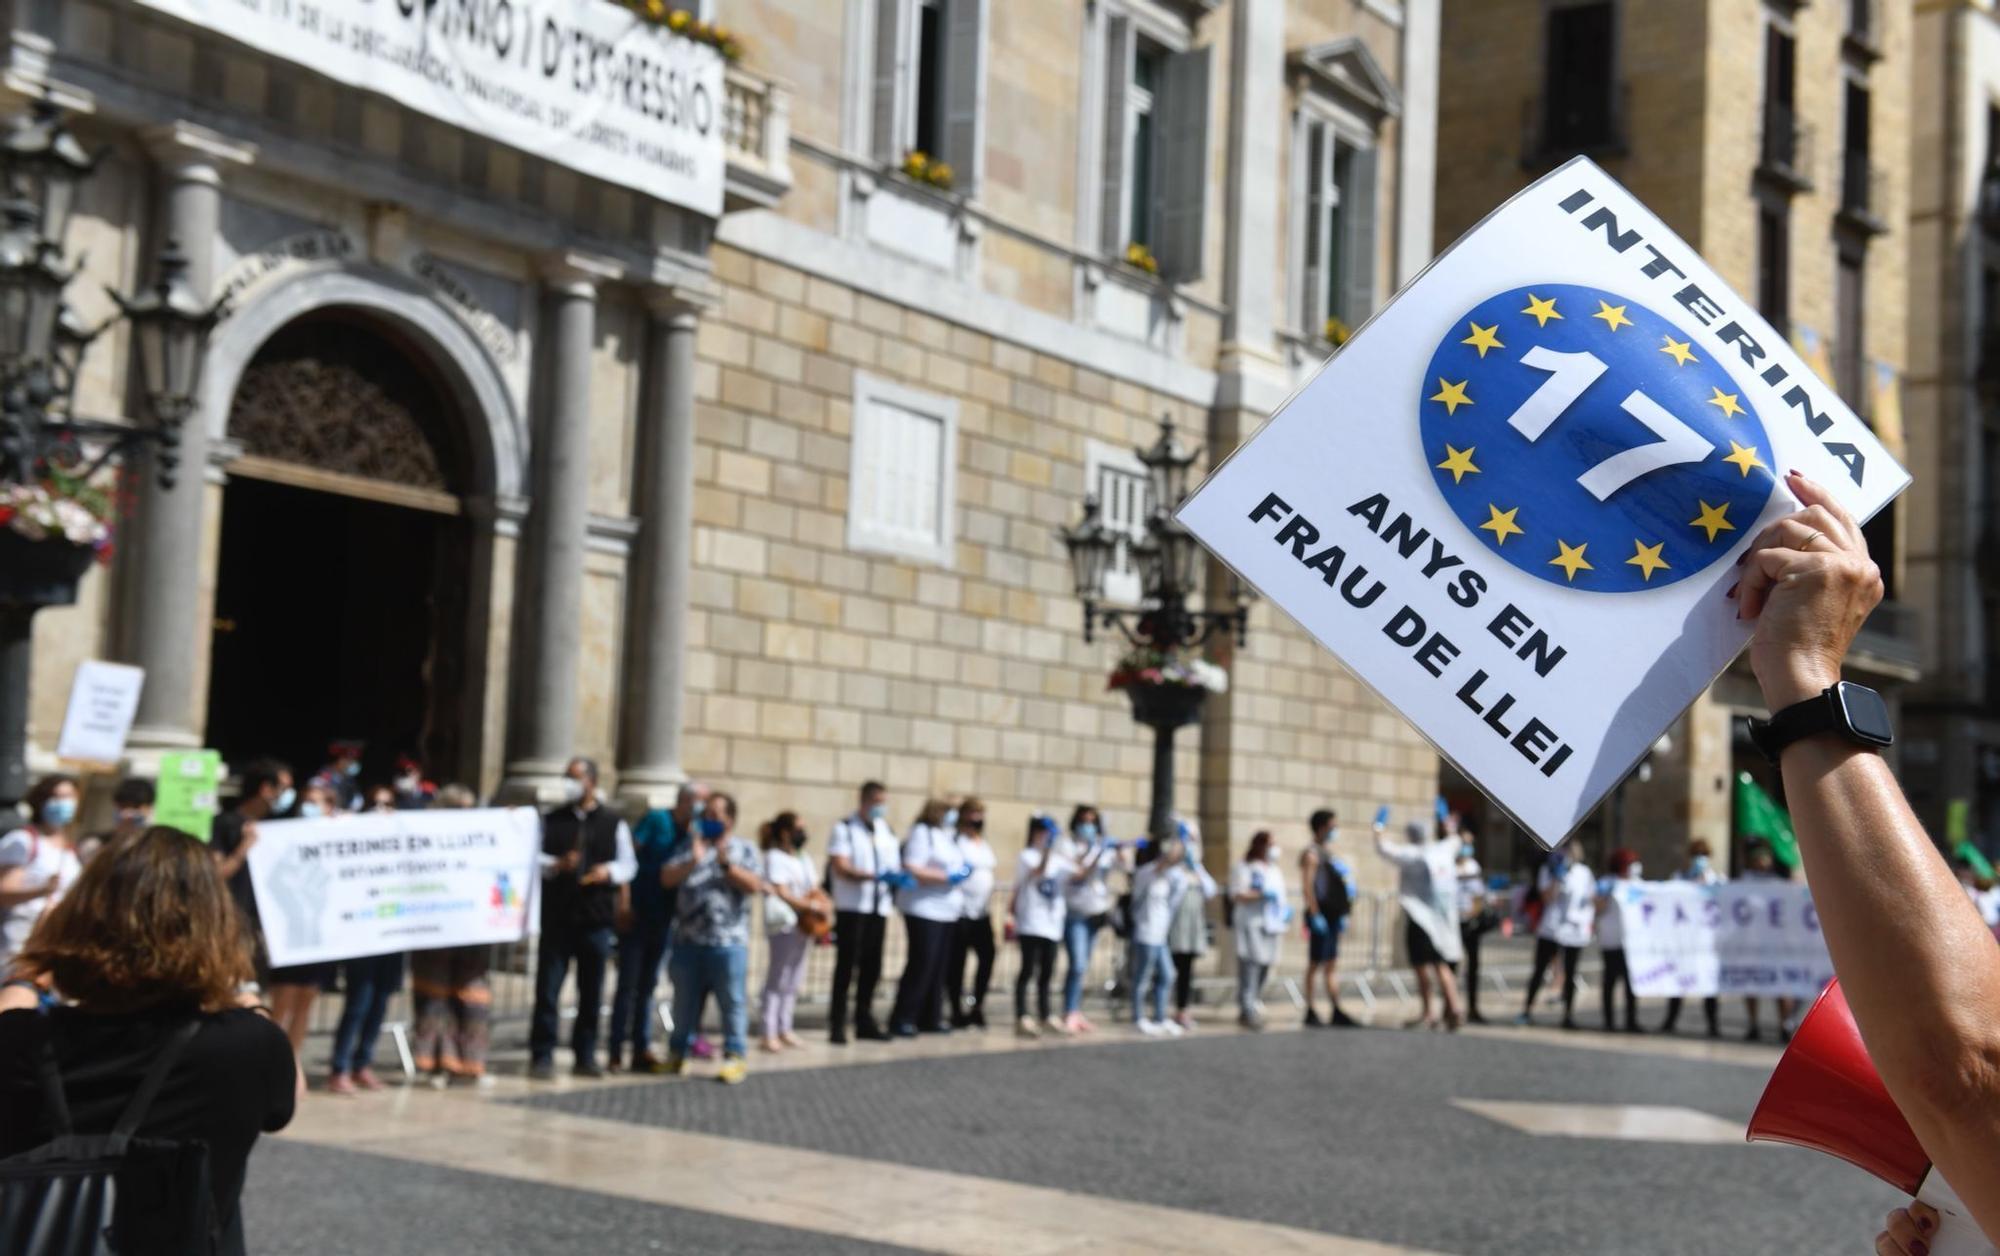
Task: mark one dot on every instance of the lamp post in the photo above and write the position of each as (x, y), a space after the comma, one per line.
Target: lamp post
(1162, 676)
(52, 519)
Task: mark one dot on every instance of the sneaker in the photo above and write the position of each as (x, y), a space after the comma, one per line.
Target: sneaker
(701, 1049)
(1312, 1019)
(340, 1084)
(1523, 1020)
(1150, 1028)
(1060, 1028)
(674, 1066)
(976, 1018)
(1027, 1028)
(542, 1071)
(733, 1071)
(1185, 1021)
(438, 1081)
(365, 1078)
(1084, 1025)
(1172, 1029)
(590, 1070)
(903, 1031)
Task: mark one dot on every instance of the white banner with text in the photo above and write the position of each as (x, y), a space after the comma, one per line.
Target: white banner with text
(1742, 937)
(375, 883)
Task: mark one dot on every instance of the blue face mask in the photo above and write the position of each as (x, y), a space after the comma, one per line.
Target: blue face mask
(696, 807)
(57, 812)
(878, 812)
(352, 769)
(311, 811)
(1086, 832)
(285, 801)
(1466, 852)
(711, 828)
(1699, 866)
(951, 818)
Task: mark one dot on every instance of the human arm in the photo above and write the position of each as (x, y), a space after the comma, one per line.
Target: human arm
(230, 862)
(680, 866)
(18, 885)
(741, 869)
(920, 857)
(1308, 865)
(1916, 962)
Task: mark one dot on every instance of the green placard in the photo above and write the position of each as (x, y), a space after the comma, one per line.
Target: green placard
(188, 780)
(1957, 821)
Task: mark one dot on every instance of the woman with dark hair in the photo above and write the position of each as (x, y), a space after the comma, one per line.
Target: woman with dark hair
(1622, 865)
(453, 996)
(1088, 902)
(1427, 889)
(795, 912)
(149, 949)
(1257, 894)
(38, 864)
(931, 907)
(972, 936)
(1035, 916)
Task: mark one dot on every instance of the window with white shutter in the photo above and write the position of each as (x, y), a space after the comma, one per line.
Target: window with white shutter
(1334, 206)
(1153, 147)
(902, 471)
(1125, 499)
(929, 84)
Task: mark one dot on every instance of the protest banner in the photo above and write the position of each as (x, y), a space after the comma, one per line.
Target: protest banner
(1512, 502)
(102, 701)
(1741, 937)
(185, 796)
(379, 882)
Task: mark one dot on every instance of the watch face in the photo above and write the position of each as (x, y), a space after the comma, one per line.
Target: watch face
(1866, 714)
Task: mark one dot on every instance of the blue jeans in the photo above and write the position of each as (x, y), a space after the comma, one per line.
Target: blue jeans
(1079, 932)
(699, 971)
(1156, 966)
(367, 986)
(590, 950)
(642, 953)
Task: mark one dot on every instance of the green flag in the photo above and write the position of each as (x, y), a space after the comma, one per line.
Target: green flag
(1757, 815)
(1982, 867)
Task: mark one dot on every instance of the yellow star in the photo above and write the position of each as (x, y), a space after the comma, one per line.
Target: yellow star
(1571, 559)
(1647, 558)
(1542, 310)
(1725, 402)
(1453, 395)
(1483, 338)
(1681, 351)
(1713, 519)
(1743, 456)
(1613, 315)
(1501, 523)
(1458, 462)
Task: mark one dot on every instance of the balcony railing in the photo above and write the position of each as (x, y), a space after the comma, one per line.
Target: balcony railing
(1864, 193)
(757, 135)
(1597, 129)
(1785, 154)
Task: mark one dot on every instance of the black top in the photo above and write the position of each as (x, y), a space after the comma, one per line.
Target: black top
(223, 838)
(567, 903)
(235, 1079)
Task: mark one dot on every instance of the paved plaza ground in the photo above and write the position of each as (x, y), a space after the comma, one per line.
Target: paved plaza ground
(1354, 1141)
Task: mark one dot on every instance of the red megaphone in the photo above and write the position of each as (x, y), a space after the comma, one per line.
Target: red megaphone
(1825, 1094)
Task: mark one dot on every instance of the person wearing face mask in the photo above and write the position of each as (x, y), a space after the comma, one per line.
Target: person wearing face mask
(38, 863)
(647, 937)
(367, 983)
(1158, 889)
(265, 794)
(342, 774)
(1328, 886)
(293, 991)
(972, 936)
(717, 874)
(1476, 918)
(932, 907)
(132, 814)
(1622, 866)
(587, 861)
(863, 859)
(795, 910)
(1569, 911)
(1701, 871)
(413, 792)
(1187, 932)
(1258, 915)
(1427, 890)
(1088, 902)
(1035, 914)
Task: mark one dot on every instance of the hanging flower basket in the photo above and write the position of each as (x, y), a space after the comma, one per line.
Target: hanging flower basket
(1166, 706)
(1167, 687)
(50, 532)
(40, 573)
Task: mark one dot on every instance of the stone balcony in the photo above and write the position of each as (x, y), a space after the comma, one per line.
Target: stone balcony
(757, 135)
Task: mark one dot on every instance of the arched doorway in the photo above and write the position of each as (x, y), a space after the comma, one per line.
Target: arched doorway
(343, 573)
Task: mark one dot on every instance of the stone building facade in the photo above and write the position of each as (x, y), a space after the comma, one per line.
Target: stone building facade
(506, 462)
(1770, 135)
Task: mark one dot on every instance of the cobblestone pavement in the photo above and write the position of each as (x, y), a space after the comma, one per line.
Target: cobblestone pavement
(1353, 1134)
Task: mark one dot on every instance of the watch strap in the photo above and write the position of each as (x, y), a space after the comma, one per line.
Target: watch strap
(1817, 714)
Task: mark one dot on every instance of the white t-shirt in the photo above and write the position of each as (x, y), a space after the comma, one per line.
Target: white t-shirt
(1568, 917)
(1611, 921)
(976, 892)
(49, 862)
(930, 846)
(1988, 902)
(1089, 893)
(793, 870)
(1039, 909)
(871, 849)
(1156, 893)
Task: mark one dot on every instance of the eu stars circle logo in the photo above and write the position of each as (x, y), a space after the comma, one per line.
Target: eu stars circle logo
(1587, 441)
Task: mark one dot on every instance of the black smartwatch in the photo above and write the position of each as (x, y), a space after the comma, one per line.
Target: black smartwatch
(1856, 712)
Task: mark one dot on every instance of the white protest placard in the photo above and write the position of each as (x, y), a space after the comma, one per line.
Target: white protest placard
(102, 701)
(374, 883)
(584, 83)
(1743, 937)
(1512, 503)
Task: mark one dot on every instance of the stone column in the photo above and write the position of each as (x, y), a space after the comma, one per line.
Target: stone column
(1416, 139)
(163, 543)
(649, 751)
(548, 593)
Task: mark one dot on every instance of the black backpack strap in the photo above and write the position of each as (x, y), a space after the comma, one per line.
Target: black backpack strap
(149, 1089)
(53, 1099)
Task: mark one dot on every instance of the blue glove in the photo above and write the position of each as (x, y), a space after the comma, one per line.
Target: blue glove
(1271, 895)
(1257, 882)
(961, 874)
(1317, 922)
(1443, 812)
(1187, 857)
(1381, 817)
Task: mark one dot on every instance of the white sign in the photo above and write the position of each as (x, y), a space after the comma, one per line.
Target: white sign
(374, 883)
(102, 701)
(1744, 937)
(583, 83)
(1512, 503)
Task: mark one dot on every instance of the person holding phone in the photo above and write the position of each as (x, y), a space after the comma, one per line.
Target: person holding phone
(717, 874)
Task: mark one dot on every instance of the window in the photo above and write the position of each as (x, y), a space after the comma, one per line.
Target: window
(1335, 203)
(1849, 338)
(1782, 142)
(1125, 501)
(1774, 264)
(902, 472)
(928, 90)
(1855, 190)
(1153, 139)
(1577, 78)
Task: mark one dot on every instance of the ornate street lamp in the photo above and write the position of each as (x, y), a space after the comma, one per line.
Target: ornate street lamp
(1162, 675)
(171, 323)
(31, 288)
(40, 155)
